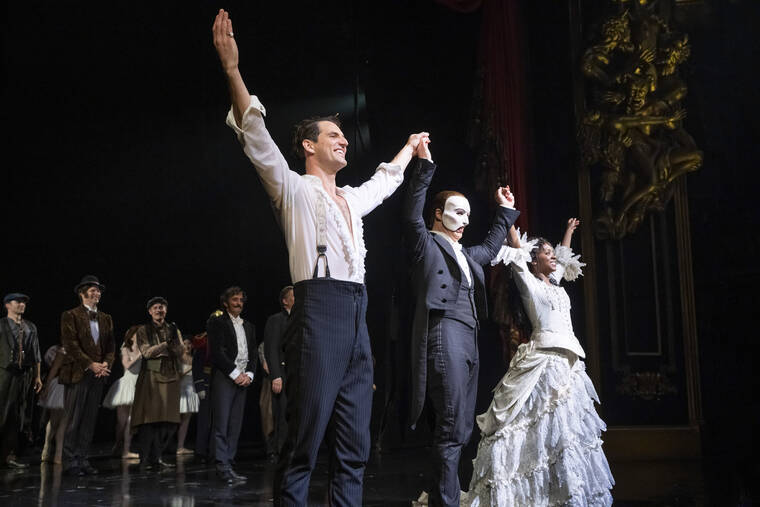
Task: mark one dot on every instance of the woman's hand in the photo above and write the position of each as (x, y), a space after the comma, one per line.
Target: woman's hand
(572, 224)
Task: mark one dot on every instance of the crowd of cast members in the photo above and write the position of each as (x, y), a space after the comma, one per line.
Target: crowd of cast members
(167, 378)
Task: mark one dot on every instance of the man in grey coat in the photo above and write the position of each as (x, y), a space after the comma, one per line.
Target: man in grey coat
(450, 298)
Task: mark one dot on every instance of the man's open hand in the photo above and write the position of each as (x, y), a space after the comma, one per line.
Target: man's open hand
(224, 41)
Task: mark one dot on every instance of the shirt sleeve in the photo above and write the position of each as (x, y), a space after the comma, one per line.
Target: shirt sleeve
(279, 182)
(235, 373)
(370, 194)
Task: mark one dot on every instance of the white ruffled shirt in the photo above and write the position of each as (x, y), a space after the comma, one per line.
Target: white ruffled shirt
(296, 201)
(242, 346)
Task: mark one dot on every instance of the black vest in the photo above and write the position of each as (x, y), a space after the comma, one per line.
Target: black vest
(465, 310)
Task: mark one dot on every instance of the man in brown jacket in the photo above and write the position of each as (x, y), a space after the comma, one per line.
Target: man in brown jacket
(87, 336)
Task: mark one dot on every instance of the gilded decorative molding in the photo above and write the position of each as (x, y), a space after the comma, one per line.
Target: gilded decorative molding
(632, 129)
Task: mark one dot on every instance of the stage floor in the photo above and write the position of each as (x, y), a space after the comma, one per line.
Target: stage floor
(392, 479)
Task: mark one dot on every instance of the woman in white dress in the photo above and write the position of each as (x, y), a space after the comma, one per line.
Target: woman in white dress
(188, 400)
(540, 438)
(121, 395)
(51, 398)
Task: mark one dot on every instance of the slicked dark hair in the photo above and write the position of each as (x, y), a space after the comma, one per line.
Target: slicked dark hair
(309, 129)
(229, 292)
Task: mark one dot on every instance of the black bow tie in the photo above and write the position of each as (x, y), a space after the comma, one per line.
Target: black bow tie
(92, 315)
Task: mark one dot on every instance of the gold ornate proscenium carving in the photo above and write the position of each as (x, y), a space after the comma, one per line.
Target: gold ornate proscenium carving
(632, 129)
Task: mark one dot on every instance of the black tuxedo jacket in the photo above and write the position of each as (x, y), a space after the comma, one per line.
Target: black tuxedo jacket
(273, 333)
(222, 342)
(436, 275)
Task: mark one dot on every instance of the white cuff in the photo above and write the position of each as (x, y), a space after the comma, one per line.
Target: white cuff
(250, 375)
(254, 104)
(394, 170)
(235, 374)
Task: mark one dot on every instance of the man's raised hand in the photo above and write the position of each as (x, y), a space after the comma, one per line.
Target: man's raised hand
(224, 41)
(423, 151)
(504, 197)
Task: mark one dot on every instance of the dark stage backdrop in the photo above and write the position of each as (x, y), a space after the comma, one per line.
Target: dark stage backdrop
(117, 162)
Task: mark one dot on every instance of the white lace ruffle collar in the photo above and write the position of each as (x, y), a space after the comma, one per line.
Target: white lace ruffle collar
(354, 256)
(570, 266)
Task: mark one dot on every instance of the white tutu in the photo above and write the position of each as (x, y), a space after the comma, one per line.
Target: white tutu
(54, 398)
(122, 392)
(543, 448)
(188, 398)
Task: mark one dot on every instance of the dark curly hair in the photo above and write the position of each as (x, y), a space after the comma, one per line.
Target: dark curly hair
(232, 291)
(309, 129)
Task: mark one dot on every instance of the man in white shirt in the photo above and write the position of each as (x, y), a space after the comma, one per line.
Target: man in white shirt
(232, 342)
(326, 345)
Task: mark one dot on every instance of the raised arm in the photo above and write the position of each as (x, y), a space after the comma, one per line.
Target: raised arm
(415, 231)
(387, 178)
(226, 48)
(505, 216)
(246, 118)
(572, 224)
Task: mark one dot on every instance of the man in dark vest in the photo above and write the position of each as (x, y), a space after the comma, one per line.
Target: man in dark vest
(87, 336)
(450, 302)
(273, 334)
(19, 357)
(232, 341)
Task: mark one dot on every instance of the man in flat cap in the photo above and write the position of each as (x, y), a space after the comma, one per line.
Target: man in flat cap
(19, 361)
(87, 336)
(155, 411)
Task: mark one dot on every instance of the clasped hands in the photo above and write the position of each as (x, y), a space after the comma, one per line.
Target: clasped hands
(420, 143)
(243, 380)
(100, 369)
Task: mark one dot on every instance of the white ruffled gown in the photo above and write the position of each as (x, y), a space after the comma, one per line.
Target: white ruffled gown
(540, 438)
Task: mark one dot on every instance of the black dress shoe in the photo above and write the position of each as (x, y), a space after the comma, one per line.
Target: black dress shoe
(226, 476)
(12, 463)
(237, 476)
(89, 469)
(166, 464)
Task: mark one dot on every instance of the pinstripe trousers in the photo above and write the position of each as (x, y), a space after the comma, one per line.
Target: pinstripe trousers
(329, 391)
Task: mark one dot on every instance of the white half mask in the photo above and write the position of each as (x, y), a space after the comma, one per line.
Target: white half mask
(452, 220)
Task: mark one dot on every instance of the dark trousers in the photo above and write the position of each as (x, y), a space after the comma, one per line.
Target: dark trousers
(81, 402)
(11, 385)
(154, 437)
(329, 383)
(228, 400)
(452, 384)
(279, 411)
(204, 443)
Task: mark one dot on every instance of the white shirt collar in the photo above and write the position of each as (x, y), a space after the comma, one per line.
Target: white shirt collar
(236, 320)
(95, 309)
(456, 245)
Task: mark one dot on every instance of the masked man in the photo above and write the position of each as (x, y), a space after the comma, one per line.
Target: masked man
(450, 298)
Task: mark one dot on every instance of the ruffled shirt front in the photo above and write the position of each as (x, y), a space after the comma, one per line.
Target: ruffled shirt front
(301, 203)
